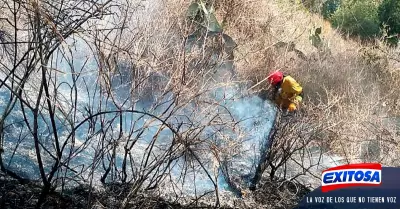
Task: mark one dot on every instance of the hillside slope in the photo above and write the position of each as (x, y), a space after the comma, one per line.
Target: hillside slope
(138, 104)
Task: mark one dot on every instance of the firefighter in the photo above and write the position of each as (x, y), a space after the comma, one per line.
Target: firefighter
(288, 94)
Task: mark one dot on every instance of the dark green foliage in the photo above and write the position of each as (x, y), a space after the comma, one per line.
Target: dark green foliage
(389, 15)
(329, 7)
(207, 25)
(315, 38)
(193, 10)
(360, 18)
(199, 12)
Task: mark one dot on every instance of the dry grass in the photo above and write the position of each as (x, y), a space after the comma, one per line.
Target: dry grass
(350, 88)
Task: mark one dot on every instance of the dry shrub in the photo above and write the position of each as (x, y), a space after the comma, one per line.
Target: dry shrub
(341, 87)
(240, 16)
(353, 97)
(349, 90)
(386, 62)
(247, 23)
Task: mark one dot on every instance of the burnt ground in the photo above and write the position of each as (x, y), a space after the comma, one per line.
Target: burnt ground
(17, 195)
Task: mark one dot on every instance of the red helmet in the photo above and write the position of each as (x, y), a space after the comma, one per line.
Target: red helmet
(275, 77)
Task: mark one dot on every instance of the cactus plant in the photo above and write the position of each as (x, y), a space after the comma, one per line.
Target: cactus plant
(202, 14)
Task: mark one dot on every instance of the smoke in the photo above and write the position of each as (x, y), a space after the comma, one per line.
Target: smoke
(238, 144)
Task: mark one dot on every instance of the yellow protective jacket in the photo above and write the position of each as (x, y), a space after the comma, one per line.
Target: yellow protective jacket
(290, 93)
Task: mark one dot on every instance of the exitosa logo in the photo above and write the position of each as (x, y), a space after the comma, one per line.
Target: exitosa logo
(353, 175)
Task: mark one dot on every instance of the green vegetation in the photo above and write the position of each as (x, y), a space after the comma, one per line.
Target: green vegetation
(315, 38)
(199, 12)
(329, 7)
(358, 19)
(389, 16)
(366, 19)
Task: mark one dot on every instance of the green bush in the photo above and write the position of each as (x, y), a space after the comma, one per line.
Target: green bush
(389, 14)
(358, 18)
(329, 7)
